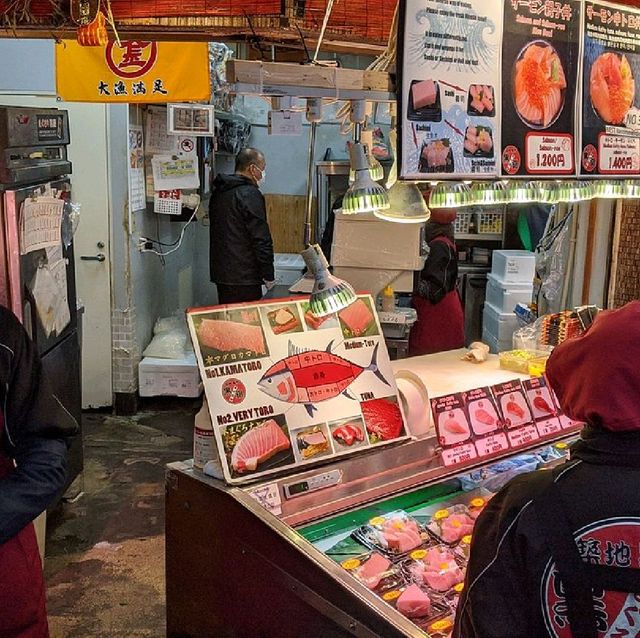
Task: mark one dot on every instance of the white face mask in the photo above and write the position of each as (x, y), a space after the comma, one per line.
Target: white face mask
(263, 174)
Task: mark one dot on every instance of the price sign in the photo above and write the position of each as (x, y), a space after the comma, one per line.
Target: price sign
(548, 427)
(570, 424)
(396, 318)
(459, 454)
(549, 154)
(269, 497)
(492, 444)
(618, 154)
(523, 436)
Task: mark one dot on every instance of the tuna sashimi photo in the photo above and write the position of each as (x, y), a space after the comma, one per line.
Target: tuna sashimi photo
(383, 419)
(424, 101)
(221, 335)
(256, 445)
(539, 85)
(611, 87)
(357, 320)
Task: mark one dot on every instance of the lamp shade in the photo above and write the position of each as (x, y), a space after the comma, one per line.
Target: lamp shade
(406, 205)
(547, 192)
(520, 192)
(450, 195)
(364, 195)
(610, 189)
(329, 294)
(632, 188)
(575, 191)
(488, 193)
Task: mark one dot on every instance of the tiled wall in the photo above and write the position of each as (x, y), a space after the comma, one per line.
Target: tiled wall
(126, 353)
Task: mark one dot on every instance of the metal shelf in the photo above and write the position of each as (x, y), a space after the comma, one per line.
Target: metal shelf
(480, 236)
(309, 91)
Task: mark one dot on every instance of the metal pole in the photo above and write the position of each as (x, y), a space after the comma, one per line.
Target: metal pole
(308, 224)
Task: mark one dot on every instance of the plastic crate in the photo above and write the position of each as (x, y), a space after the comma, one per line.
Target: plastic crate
(490, 222)
(462, 222)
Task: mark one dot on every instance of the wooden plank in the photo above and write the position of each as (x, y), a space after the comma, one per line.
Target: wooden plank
(615, 255)
(588, 258)
(283, 74)
(286, 215)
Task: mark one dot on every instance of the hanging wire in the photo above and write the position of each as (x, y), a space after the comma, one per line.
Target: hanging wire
(112, 22)
(325, 22)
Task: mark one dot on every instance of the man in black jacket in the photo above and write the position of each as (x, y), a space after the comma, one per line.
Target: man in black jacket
(241, 248)
(557, 553)
(34, 433)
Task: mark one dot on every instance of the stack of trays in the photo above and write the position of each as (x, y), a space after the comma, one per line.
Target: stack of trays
(509, 283)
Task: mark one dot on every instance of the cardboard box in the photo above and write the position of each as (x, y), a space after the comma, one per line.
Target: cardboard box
(374, 280)
(169, 377)
(364, 241)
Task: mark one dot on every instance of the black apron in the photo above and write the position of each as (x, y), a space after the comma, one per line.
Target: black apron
(579, 579)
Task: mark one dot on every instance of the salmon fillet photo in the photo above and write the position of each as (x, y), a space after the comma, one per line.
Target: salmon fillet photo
(611, 87)
(539, 85)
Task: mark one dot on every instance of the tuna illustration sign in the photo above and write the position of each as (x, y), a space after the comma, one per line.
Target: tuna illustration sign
(312, 388)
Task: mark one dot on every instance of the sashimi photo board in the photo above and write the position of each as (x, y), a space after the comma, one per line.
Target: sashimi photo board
(610, 113)
(286, 390)
(449, 89)
(540, 63)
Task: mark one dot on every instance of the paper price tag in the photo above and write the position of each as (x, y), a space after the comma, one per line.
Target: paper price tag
(269, 497)
(549, 427)
(618, 154)
(549, 154)
(459, 454)
(392, 317)
(523, 436)
(492, 445)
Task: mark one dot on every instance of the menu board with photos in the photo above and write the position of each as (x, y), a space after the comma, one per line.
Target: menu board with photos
(610, 113)
(286, 389)
(449, 110)
(483, 422)
(540, 62)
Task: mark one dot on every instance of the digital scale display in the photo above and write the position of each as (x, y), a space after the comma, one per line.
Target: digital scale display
(313, 483)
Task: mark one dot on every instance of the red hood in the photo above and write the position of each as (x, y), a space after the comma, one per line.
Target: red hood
(597, 376)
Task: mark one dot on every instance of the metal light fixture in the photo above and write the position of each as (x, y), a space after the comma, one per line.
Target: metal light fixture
(364, 195)
(488, 193)
(610, 189)
(406, 205)
(329, 293)
(632, 188)
(375, 168)
(450, 195)
(519, 192)
(547, 192)
(575, 191)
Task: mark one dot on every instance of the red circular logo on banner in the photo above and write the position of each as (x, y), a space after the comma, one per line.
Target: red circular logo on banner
(511, 160)
(234, 391)
(132, 59)
(589, 158)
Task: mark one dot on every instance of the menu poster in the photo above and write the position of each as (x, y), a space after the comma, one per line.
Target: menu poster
(286, 390)
(610, 90)
(545, 413)
(450, 88)
(515, 411)
(540, 61)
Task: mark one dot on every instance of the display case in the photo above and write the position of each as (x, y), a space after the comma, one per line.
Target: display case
(279, 558)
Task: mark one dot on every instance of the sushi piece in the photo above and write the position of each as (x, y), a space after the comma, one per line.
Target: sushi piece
(413, 602)
(611, 87)
(424, 94)
(538, 83)
(348, 433)
(312, 442)
(481, 100)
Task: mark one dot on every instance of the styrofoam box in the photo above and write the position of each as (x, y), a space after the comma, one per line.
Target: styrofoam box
(288, 267)
(501, 325)
(517, 266)
(375, 280)
(169, 377)
(506, 295)
(496, 346)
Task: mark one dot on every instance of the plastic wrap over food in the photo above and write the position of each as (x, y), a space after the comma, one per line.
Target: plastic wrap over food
(170, 339)
(219, 54)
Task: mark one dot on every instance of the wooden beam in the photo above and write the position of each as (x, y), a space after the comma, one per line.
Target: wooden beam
(615, 254)
(588, 258)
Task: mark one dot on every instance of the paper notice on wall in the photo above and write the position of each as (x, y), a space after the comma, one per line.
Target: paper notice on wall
(172, 172)
(158, 140)
(137, 196)
(54, 254)
(40, 223)
(62, 315)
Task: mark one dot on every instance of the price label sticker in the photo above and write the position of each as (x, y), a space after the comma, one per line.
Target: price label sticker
(549, 154)
(459, 454)
(523, 436)
(492, 444)
(549, 427)
(269, 497)
(618, 155)
(632, 119)
(397, 318)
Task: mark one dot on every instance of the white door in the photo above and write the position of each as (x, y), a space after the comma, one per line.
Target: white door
(89, 181)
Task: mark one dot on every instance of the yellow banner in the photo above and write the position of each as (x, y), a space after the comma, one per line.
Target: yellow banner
(136, 71)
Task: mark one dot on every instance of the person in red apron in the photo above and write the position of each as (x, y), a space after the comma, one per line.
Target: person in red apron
(557, 553)
(440, 324)
(34, 434)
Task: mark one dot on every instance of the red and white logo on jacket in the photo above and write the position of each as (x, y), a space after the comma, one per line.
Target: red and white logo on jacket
(613, 542)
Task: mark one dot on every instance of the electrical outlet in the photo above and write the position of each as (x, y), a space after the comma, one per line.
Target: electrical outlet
(142, 241)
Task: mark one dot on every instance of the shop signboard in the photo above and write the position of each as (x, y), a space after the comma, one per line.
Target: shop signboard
(610, 112)
(449, 89)
(286, 389)
(540, 62)
(133, 71)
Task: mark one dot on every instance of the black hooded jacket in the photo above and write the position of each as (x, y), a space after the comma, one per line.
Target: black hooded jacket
(241, 248)
(512, 589)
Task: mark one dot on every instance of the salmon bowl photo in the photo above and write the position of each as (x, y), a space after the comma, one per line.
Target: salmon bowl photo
(611, 87)
(539, 85)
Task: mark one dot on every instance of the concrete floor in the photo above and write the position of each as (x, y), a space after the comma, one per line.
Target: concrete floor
(104, 561)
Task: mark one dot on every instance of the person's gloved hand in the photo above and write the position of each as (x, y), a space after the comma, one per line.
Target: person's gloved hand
(269, 284)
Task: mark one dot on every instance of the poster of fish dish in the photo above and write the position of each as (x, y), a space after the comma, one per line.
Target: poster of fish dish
(610, 111)
(449, 90)
(540, 62)
(285, 390)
